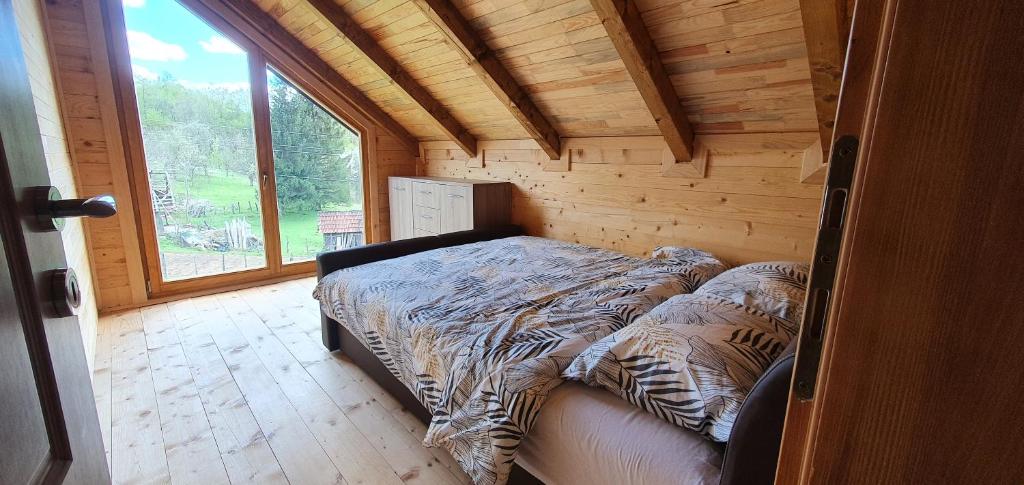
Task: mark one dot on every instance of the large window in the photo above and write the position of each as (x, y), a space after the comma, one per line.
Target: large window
(319, 175)
(241, 179)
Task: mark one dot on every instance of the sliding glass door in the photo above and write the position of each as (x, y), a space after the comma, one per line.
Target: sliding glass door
(246, 177)
(195, 111)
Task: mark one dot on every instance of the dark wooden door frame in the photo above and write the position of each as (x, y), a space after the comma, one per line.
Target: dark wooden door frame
(921, 370)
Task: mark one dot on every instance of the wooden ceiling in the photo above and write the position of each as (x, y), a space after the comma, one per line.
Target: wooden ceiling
(737, 66)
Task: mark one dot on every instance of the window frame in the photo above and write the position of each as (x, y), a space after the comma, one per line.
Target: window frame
(260, 59)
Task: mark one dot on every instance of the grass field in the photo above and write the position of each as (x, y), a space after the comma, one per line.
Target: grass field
(232, 197)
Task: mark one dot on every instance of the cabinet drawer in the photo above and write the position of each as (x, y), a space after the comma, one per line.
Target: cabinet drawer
(426, 194)
(426, 219)
(421, 233)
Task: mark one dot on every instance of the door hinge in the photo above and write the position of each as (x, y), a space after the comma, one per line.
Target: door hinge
(823, 268)
(149, 287)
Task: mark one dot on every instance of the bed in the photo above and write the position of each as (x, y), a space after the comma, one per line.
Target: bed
(479, 334)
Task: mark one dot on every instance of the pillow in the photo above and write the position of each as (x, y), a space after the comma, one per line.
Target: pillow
(693, 359)
(680, 253)
(776, 288)
(698, 267)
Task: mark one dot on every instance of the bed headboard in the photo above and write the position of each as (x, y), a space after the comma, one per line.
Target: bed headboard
(752, 453)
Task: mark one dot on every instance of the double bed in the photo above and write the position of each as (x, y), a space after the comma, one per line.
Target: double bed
(472, 331)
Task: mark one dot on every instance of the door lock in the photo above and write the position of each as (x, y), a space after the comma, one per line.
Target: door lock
(51, 209)
(65, 292)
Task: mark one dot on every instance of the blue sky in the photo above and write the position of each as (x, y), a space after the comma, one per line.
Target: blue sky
(164, 37)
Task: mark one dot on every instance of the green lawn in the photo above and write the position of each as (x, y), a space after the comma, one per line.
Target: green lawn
(299, 236)
(220, 189)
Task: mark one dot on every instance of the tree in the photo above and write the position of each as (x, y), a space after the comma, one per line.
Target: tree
(316, 157)
(215, 123)
(189, 130)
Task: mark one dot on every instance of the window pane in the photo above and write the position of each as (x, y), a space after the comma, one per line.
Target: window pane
(195, 107)
(318, 169)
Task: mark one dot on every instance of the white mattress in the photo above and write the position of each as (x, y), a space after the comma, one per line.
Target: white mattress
(589, 436)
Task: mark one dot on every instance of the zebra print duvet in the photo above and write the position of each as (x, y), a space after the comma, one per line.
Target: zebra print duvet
(482, 332)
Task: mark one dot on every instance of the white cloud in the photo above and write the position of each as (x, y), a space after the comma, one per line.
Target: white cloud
(235, 86)
(145, 47)
(143, 73)
(133, 3)
(219, 44)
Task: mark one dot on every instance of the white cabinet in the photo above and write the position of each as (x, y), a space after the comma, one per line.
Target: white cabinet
(428, 206)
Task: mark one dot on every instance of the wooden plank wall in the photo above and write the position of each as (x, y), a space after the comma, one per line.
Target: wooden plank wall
(29, 17)
(393, 158)
(750, 207)
(90, 115)
(77, 32)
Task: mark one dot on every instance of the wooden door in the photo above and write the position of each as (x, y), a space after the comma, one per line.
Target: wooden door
(921, 371)
(47, 414)
(456, 208)
(400, 203)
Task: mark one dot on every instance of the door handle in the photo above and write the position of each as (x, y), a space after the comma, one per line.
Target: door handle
(51, 209)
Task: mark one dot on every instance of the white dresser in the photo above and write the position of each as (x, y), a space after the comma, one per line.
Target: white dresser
(428, 206)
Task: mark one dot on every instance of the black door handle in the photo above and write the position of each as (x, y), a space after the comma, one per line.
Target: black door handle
(99, 206)
(51, 209)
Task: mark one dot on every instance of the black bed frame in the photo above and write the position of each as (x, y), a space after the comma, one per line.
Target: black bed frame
(753, 449)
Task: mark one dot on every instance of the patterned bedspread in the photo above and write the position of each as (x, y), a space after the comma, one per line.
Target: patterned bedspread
(482, 332)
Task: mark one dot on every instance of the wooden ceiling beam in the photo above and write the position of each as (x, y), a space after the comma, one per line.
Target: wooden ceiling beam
(363, 41)
(627, 31)
(492, 72)
(278, 43)
(826, 30)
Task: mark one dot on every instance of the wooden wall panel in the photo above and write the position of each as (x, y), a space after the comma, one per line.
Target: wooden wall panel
(751, 205)
(392, 159)
(30, 19)
(86, 95)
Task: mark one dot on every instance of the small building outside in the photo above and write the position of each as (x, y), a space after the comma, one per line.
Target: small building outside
(341, 229)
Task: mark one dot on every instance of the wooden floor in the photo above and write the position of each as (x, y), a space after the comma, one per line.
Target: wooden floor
(236, 388)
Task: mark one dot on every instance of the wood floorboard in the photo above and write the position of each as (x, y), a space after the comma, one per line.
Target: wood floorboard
(101, 382)
(189, 444)
(136, 442)
(400, 448)
(246, 455)
(236, 388)
(304, 313)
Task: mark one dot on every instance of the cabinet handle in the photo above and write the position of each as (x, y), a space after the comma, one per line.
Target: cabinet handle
(455, 196)
(426, 216)
(400, 189)
(426, 192)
